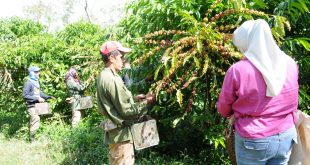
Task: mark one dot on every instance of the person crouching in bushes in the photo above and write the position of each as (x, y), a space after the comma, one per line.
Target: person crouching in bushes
(75, 90)
(32, 95)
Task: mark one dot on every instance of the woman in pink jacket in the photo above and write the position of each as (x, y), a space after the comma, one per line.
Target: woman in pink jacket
(261, 92)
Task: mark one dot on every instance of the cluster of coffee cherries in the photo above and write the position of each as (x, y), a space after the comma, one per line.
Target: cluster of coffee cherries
(164, 32)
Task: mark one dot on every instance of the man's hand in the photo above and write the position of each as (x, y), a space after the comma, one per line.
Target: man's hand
(90, 79)
(41, 100)
(150, 98)
(140, 97)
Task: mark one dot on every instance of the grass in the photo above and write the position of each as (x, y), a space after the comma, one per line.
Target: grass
(16, 151)
(57, 143)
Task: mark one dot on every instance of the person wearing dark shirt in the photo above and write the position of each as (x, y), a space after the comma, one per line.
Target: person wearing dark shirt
(32, 95)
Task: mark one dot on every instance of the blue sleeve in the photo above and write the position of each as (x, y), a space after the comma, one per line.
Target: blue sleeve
(44, 96)
(28, 93)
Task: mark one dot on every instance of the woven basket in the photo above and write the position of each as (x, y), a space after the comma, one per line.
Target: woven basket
(230, 143)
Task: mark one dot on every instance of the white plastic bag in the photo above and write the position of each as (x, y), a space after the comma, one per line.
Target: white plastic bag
(301, 151)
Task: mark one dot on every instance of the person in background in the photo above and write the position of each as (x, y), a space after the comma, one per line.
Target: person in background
(75, 90)
(32, 95)
(261, 93)
(116, 103)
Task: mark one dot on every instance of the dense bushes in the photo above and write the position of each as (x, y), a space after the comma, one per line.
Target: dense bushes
(181, 52)
(26, 43)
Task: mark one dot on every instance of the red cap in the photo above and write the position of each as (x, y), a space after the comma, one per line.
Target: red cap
(110, 46)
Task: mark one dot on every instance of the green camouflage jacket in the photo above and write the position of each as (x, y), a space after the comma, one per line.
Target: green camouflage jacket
(116, 102)
(75, 90)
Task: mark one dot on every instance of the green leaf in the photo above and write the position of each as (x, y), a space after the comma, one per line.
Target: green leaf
(222, 142)
(166, 70)
(278, 30)
(186, 59)
(157, 70)
(199, 46)
(175, 122)
(197, 62)
(167, 51)
(300, 6)
(216, 144)
(237, 4)
(205, 66)
(305, 44)
(260, 3)
(174, 61)
(304, 94)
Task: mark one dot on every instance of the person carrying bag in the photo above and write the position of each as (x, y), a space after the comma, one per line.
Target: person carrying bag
(261, 92)
(33, 95)
(117, 104)
(76, 95)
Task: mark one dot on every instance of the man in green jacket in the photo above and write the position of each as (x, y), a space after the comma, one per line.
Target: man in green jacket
(116, 102)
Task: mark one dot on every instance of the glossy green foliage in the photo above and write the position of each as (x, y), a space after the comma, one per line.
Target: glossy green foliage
(188, 82)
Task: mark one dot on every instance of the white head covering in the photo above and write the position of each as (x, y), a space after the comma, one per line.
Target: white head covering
(255, 41)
